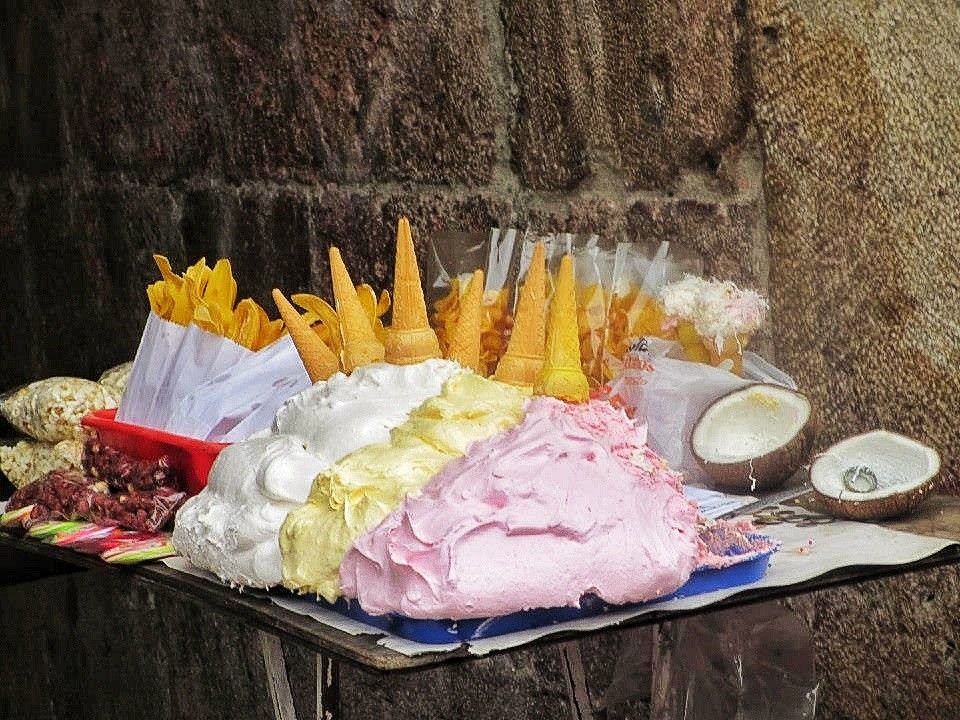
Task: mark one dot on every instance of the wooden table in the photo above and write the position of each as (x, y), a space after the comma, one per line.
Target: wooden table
(939, 517)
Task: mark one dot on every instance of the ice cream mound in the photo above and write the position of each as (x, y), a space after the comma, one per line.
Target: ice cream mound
(360, 490)
(231, 527)
(569, 502)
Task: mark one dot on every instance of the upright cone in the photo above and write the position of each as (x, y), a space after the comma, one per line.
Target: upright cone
(464, 345)
(410, 339)
(522, 362)
(317, 358)
(360, 344)
(562, 376)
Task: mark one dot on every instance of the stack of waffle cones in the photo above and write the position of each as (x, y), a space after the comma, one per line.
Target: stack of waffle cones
(562, 375)
(546, 358)
(410, 339)
(523, 361)
(464, 346)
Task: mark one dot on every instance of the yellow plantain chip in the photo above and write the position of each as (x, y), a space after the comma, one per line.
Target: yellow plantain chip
(200, 274)
(246, 323)
(371, 307)
(383, 304)
(221, 289)
(179, 308)
(167, 272)
(206, 296)
(319, 309)
(270, 331)
(210, 317)
(161, 303)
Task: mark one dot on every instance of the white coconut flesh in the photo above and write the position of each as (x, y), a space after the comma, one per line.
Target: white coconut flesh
(898, 464)
(750, 423)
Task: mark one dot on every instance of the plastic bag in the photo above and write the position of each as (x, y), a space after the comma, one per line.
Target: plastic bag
(670, 394)
(750, 663)
(455, 255)
(634, 311)
(51, 409)
(593, 270)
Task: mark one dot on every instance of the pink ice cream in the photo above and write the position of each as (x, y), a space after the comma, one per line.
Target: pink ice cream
(568, 502)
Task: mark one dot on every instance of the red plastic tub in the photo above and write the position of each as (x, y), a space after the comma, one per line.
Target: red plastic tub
(192, 457)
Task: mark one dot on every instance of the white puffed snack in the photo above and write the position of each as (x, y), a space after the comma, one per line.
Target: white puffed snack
(115, 380)
(30, 460)
(51, 409)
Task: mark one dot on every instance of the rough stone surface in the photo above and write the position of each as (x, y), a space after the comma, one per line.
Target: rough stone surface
(614, 86)
(857, 109)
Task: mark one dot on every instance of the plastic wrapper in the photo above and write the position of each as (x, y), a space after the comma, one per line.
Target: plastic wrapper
(112, 543)
(670, 394)
(593, 270)
(751, 663)
(454, 257)
(115, 379)
(124, 473)
(191, 382)
(147, 511)
(713, 319)
(111, 489)
(51, 409)
(59, 495)
(638, 277)
(29, 460)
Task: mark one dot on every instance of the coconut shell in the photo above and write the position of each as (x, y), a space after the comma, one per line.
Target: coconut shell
(765, 472)
(902, 499)
(892, 506)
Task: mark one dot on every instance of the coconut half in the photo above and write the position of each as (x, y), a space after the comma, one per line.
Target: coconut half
(876, 475)
(754, 438)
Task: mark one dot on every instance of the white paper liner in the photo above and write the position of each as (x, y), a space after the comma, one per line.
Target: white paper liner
(194, 383)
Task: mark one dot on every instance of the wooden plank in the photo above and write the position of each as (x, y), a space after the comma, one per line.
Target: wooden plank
(578, 694)
(328, 687)
(277, 681)
(938, 517)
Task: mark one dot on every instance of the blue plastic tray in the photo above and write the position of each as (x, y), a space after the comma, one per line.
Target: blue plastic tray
(448, 631)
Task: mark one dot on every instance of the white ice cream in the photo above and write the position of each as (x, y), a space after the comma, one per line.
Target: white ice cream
(231, 527)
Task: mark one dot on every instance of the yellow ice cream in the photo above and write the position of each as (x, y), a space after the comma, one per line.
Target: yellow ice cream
(360, 490)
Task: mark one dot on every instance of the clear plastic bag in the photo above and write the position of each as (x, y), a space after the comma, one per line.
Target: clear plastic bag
(454, 257)
(670, 394)
(750, 663)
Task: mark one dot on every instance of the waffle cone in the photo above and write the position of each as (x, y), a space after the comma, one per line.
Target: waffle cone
(360, 344)
(464, 346)
(319, 360)
(522, 362)
(410, 339)
(562, 376)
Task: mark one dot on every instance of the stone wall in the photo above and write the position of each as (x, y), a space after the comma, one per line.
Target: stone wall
(806, 148)
(266, 132)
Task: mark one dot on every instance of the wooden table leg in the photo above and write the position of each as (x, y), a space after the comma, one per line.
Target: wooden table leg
(277, 681)
(581, 708)
(664, 637)
(328, 687)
